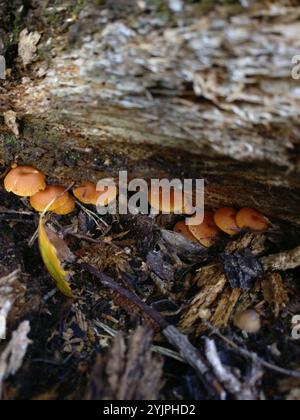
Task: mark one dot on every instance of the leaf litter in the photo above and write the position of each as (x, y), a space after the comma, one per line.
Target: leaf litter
(209, 287)
(188, 277)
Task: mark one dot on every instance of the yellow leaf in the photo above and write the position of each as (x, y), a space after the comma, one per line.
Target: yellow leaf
(51, 260)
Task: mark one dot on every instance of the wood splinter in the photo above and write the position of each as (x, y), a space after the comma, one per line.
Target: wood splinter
(189, 353)
(283, 261)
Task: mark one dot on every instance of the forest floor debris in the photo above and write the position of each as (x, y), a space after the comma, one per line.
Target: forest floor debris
(142, 325)
(108, 309)
(11, 359)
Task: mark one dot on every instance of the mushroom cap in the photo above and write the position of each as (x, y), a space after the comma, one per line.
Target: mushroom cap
(207, 232)
(25, 181)
(248, 321)
(182, 228)
(176, 203)
(66, 208)
(248, 218)
(88, 194)
(105, 197)
(225, 219)
(42, 199)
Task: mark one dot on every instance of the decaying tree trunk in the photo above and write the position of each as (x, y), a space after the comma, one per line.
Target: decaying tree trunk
(161, 92)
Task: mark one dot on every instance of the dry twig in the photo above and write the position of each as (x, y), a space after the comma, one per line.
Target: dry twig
(129, 301)
(282, 262)
(251, 355)
(241, 391)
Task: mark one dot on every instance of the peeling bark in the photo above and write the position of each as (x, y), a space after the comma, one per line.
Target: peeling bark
(129, 372)
(168, 94)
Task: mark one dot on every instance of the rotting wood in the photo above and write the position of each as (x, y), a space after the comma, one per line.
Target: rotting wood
(190, 354)
(168, 68)
(283, 261)
(11, 359)
(275, 292)
(184, 88)
(129, 371)
(89, 109)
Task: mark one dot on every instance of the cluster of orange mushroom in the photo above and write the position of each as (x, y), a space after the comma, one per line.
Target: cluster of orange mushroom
(29, 182)
(227, 220)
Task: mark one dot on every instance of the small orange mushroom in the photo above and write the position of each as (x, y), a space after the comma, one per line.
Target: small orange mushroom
(88, 194)
(25, 181)
(207, 232)
(66, 208)
(41, 200)
(251, 219)
(106, 195)
(173, 204)
(225, 219)
(183, 229)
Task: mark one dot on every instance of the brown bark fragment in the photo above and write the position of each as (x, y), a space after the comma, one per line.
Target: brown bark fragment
(129, 372)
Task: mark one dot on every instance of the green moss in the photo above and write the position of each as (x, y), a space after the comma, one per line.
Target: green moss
(36, 131)
(159, 5)
(11, 141)
(11, 148)
(205, 6)
(78, 6)
(161, 10)
(55, 17)
(44, 54)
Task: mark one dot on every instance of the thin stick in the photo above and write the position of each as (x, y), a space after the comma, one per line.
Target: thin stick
(157, 349)
(57, 198)
(87, 238)
(253, 356)
(241, 391)
(92, 215)
(16, 212)
(137, 302)
(33, 238)
(187, 351)
(284, 261)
